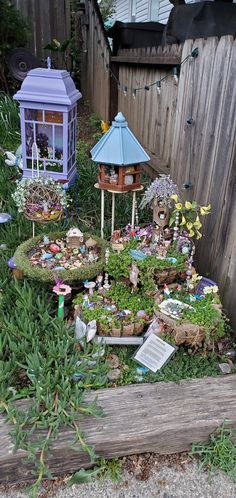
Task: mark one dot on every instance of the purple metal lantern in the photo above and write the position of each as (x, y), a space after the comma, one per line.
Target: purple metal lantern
(48, 112)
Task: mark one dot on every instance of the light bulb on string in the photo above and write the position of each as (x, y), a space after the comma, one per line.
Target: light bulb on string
(107, 68)
(158, 86)
(134, 93)
(125, 91)
(175, 74)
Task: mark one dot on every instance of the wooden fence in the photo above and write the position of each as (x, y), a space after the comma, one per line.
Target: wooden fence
(95, 57)
(46, 20)
(189, 132)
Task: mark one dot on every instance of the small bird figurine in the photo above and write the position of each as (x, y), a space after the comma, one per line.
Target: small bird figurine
(104, 126)
(15, 159)
(166, 292)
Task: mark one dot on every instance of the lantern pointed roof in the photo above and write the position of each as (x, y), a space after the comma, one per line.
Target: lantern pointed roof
(119, 146)
(52, 86)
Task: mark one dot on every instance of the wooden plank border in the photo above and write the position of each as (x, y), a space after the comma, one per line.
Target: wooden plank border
(164, 417)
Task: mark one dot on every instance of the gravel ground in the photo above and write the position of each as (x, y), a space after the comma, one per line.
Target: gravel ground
(155, 479)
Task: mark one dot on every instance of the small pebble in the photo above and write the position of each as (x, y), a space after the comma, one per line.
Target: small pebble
(114, 374)
(113, 361)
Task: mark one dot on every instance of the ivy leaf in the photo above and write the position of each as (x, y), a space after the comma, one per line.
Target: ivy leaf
(84, 476)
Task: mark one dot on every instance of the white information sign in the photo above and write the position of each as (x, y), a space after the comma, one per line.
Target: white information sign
(154, 353)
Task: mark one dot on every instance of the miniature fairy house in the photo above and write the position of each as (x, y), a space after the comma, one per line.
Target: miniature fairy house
(48, 112)
(119, 155)
(74, 238)
(161, 214)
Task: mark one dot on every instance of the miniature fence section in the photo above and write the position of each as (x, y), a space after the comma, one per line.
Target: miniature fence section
(46, 20)
(95, 56)
(164, 418)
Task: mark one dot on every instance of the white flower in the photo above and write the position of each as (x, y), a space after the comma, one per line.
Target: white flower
(210, 289)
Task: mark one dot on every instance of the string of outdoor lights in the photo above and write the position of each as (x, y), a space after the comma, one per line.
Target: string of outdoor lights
(157, 83)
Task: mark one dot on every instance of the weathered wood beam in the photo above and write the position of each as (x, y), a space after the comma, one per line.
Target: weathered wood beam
(161, 60)
(164, 417)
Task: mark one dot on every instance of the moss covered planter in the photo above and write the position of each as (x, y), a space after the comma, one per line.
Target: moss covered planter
(46, 275)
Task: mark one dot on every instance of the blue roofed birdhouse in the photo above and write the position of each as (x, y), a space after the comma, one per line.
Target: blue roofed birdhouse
(119, 155)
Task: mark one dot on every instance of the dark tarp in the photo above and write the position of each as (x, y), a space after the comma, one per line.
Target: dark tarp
(135, 34)
(200, 20)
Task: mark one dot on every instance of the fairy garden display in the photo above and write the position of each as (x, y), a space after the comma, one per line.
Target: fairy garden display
(150, 283)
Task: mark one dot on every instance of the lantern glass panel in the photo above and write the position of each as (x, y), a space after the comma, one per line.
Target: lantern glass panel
(44, 140)
(34, 166)
(29, 138)
(33, 115)
(71, 139)
(53, 117)
(54, 166)
(58, 145)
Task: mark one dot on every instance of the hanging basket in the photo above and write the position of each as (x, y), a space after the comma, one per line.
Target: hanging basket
(43, 202)
(40, 198)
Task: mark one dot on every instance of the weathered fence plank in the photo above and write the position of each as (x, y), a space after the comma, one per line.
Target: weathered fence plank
(95, 84)
(164, 418)
(46, 20)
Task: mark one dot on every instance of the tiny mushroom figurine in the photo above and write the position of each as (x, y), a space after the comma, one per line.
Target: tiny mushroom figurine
(90, 286)
(74, 238)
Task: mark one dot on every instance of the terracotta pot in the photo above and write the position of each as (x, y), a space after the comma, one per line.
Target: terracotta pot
(102, 329)
(138, 328)
(128, 329)
(17, 274)
(115, 332)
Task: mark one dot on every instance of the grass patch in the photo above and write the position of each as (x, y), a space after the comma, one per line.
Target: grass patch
(219, 453)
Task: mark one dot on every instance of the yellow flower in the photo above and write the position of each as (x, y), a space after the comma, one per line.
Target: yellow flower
(205, 209)
(183, 222)
(197, 223)
(191, 233)
(189, 225)
(199, 235)
(174, 197)
(179, 206)
(104, 126)
(188, 205)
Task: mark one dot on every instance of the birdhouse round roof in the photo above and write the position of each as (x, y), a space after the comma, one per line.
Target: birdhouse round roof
(51, 86)
(119, 146)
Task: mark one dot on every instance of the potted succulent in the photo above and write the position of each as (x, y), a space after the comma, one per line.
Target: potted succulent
(128, 328)
(115, 328)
